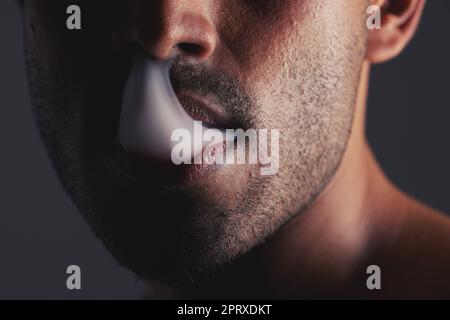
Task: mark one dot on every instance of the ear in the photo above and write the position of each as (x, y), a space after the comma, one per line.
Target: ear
(399, 22)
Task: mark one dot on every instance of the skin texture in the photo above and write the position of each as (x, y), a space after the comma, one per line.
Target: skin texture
(298, 66)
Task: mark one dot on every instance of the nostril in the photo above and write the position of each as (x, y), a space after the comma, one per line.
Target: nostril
(191, 48)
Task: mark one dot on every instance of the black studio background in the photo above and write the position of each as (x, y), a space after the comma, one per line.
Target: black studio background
(41, 233)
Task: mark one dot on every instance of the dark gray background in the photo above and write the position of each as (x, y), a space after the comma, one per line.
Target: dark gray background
(41, 233)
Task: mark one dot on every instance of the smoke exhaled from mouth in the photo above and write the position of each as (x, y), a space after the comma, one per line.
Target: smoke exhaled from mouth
(150, 111)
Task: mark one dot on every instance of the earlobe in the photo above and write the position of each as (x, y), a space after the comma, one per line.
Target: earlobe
(400, 19)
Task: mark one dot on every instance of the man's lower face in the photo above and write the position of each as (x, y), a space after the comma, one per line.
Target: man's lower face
(170, 230)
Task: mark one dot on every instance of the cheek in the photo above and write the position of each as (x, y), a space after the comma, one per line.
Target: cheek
(258, 43)
(258, 40)
(291, 52)
(47, 32)
(75, 66)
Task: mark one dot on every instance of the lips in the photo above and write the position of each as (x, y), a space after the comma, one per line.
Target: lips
(143, 169)
(203, 109)
(152, 109)
(164, 172)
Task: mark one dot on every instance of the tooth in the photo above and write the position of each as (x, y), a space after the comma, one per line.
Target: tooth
(151, 111)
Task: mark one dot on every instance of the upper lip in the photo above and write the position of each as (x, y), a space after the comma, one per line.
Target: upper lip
(203, 109)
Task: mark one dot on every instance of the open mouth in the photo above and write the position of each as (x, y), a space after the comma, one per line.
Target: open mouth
(151, 113)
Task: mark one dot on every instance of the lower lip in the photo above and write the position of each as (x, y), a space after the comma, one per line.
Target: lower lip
(164, 172)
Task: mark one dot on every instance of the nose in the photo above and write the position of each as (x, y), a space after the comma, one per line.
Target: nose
(168, 27)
